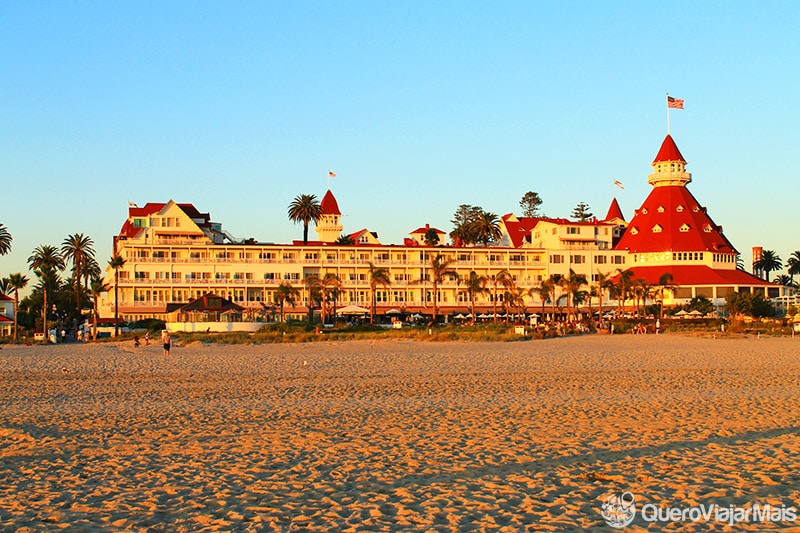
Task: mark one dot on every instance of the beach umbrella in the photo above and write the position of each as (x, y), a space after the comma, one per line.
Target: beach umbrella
(459, 316)
(681, 313)
(351, 310)
(695, 313)
(394, 312)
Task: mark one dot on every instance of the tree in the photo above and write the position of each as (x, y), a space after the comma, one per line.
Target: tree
(784, 279)
(313, 284)
(284, 294)
(345, 239)
(45, 262)
(331, 288)
(530, 204)
(485, 228)
(604, 283)
(582, 212)
(306, 209)
(16, 282)
(440, 269)
(505, 280)
(462, 224)
(377, 276)
(572, 284)
(624, 283)
(116, 262)
(5, 288)
(515, 298)
(664, 284)
(545, 291)
(748, 304)
(97, 287)
(78, 248)
(5, 240)
(769, 262)
(431, 237)
(476, 284)
(794, 264)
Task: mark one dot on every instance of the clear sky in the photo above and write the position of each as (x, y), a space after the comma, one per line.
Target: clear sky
(238, 107)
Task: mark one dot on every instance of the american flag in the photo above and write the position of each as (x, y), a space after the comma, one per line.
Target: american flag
(331, 174)
(674, 103)
(618, 184)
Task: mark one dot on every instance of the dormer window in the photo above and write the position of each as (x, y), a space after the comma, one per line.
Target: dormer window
(685, 228)
(644, 210)
(679, 209)
(657, 228)
(634, 231)
(661, 209)
(708, 228)
(696, 208)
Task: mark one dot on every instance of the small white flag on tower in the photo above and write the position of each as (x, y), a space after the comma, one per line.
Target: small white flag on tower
(619, 184)
(331, 174)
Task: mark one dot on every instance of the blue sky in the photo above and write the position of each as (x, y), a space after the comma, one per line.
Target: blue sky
(238, 107)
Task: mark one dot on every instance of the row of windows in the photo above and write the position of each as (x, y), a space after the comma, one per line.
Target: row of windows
(579, 259)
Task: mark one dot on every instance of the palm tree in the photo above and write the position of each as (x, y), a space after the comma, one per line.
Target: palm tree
(16, 282)
(485, 228)
(377, 276)
(79, 249)
(784, 279)
(794, 264)
(603, 283)
(503, 279)
(5, 240)
(306, 209)
(476, 284)
(664, 284)
(545, 291)
(515, 298)
(571, 284)
(45, 260)
(440, 269)
(96, 288)
(116, 262)
(624, 283)
(769, 262)
(313, 285)
(331, 288)
(285, 293)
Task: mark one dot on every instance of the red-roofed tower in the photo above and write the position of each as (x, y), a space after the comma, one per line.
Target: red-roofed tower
(672, 233)
(329, 227)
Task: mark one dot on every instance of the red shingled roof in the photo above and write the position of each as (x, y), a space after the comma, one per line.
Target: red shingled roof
(129, 231)
(687, 275)
(671, 219)
(5, 298)
(519, 229)
(329, 204)
(614, 211)
(669, 151)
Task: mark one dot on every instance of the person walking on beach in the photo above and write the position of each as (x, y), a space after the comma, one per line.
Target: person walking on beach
(166, 340)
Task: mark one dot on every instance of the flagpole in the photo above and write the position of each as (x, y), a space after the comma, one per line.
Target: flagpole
(329, 179)
(667, 101)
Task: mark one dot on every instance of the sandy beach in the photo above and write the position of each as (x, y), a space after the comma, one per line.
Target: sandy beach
(396, 436)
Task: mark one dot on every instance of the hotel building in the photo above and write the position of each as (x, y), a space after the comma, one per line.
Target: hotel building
(174, 254)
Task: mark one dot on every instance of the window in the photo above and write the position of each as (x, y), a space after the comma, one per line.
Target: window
(571, 230)
(660, 209)
(577, 259)
(557, 258)
(708, 228)
(679, 209)
(685, 228)
(618, 260)
(600, 259)
(657, 228)
(634, 231)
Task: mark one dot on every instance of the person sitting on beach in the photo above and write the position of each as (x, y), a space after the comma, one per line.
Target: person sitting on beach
(136, 342)
(166, 340)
